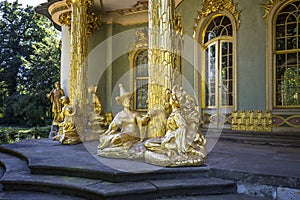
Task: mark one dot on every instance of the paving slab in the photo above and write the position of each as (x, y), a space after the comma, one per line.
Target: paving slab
(263, 164)
(218, 197)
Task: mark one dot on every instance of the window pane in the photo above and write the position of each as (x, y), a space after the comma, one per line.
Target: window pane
(280, 44)
(226, 21)
(291, 29)
(224, 48)
(280, 31)
(291, 18)
(141, 94)
(210, 75)
(280, 60)
(141, 80)
(142, 64)
(219, 26)
(226, 75)
(230, 48)
(292, 43)
(281, 19)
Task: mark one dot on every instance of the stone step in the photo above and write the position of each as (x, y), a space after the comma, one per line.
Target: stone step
(11, 163)
(41, 160)
(164, 182)
(97, 189)
(120, 176)
(269, 140)
(252, 137)
(25, 195)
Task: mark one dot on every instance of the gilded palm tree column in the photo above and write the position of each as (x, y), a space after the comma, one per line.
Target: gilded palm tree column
(162, 69)
(79, 36)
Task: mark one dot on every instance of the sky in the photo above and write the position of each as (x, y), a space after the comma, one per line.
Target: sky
(29, 2)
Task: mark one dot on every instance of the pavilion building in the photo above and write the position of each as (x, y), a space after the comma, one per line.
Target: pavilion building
(240, 59)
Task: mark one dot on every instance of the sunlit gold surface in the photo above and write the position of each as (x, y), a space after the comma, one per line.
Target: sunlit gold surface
(163, 72)
(65, 19)
(78, 81)
(214, 6)
(58, 12)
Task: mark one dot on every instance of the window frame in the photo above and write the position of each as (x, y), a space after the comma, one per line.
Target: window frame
(274, 52)
(134, 79)
(270, 62)
(218, 41)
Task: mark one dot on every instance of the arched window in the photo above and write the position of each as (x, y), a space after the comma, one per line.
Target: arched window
(140, 78)
(218, 66)
(286, 51)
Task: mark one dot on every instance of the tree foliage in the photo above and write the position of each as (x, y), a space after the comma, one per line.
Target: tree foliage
(29, 64)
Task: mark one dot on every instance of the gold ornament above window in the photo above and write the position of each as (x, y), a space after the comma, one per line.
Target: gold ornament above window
(214, 6)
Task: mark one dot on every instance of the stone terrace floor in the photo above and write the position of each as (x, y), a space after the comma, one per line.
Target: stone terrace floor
(259, 170)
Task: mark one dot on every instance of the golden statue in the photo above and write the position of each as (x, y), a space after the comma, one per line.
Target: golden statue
(97, 121)
(117, 143)
(178, 24)
(67, 130)
(54, 95)
(183, 143)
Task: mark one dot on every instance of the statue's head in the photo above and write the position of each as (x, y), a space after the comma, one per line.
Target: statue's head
(167, 94)
(124, 98)
(92, 88)
(174, 101)
(57, 85)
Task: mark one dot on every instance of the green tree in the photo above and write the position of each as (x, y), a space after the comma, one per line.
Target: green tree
(29, 64)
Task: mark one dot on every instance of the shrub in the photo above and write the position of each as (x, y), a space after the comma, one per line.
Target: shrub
(11, 135)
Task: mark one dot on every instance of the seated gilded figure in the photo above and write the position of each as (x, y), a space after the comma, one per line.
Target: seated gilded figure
(97, 120)
(124, 131)
(67, 130)
(183, 143)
